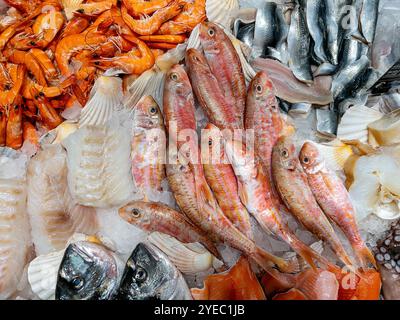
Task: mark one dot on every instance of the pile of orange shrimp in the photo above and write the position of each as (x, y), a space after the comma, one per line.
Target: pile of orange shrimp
(51, 52)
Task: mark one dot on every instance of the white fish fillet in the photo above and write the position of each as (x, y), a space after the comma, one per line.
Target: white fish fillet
(14, 223)
(53, 215)
(98, 160)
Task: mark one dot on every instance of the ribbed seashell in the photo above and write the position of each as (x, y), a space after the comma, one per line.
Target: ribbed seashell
(354, 123)
(14, 222)
(188, 258)
(105, 98)
(220, 11)
(98, 161)
(194, 39)
(335, 154)
(386, 131)
(53, 215)
(42, 274)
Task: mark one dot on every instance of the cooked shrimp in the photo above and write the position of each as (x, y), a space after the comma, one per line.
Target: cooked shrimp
(164, 38)
(23, 5)
(29, 133)
(193, 13)
(72, 44)
(151, 24)
(26, 58)
(144, 7)
(95, 8)
(14, 127)
(51, 119)
(159, 45)
(130, 63)
(74, 26)
(3, 127)
(46, 27)
(47, 65)
(17, 76)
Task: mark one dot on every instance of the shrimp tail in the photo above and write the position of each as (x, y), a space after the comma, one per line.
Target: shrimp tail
(365, 257)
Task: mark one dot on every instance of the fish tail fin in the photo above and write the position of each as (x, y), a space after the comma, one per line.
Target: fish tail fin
(267, 261)
(365, 257)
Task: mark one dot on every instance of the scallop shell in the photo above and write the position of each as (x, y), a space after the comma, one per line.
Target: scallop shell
(240, 47)
(220, 11)
(194, 39)
(354, 124)
(105, 98)
(335, 154)
(42, 274)
(386, 131)
(188, 258)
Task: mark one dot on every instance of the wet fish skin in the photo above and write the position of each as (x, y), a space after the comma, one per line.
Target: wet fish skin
(225, 64)
(332, 45)
(299, 46)
(369, 19)
(315, 15)
(292, 184)
(334, 199)
(222, 181)
(266, 29)
(148, 146)
(327, 121)
(244, 32)
(209, 94)
(149, 275)
(88, 271)
(283, 30)
(153, 217)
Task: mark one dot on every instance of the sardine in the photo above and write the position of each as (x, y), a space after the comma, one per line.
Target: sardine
(327, 121)
(189, 185)
(282, 34)
(244, 32)
(225, 64)
(292, 90)
(209, 94)
(149, 275)
(88, 271)
(153, 217)
(332, 29)
(334, 199)
(148, 147)
(299, 46)
(316, 14)
(223, 183)
(368, 19)
(266, 29)
(351, 51)
(291, 182)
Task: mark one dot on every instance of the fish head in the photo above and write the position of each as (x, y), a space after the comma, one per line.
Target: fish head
(137, 213)
(145, 275)
(262, 92)
(177, 81)
(196, 60)
(211, 35)
(212, 150)
(88, 271)
(285, 153)
(147, 114)
(310, 157)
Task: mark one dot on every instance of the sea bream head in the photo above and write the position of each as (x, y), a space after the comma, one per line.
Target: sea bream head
(149, 275)
(88, 271)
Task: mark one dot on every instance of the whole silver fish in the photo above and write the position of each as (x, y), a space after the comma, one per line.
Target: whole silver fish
(369, 18)
(332, 45)
(149, 275)
(88, 271)
(351, 51)
(347, 82)
(316, 23)
(299, 46)
(265, 29)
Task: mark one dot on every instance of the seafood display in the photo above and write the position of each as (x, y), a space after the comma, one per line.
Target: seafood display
(199, 150)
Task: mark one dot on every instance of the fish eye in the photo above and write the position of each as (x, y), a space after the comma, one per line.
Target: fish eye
(174, 76)
(153, 110)
(140, 274)
(182, 168)
(285, 153)
(32, 43)
(306, 160)
(136, 213)
(210, 142)
(77, 282)
(211, 32)
(259, 88)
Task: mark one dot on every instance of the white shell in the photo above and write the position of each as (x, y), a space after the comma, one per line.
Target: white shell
(335, 154)
(42, 274)
(194, 39)
(99, 170)
(105, 98)
(354, 123)
(386, 131)
(188, 258)
(220, 11)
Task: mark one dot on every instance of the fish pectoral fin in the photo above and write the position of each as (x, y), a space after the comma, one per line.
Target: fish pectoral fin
(243, 194)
